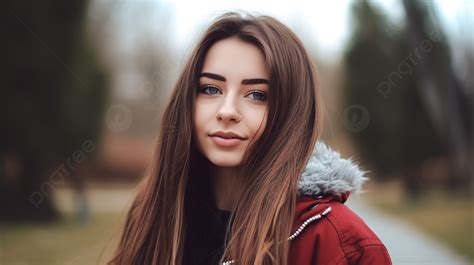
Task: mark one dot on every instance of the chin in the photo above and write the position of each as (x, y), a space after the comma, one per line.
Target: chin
(221, 160)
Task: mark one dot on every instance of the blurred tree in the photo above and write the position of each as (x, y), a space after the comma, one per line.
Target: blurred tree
(155, 62)
(448, 102)
(52, 105)
(397, 135)
(141, 57)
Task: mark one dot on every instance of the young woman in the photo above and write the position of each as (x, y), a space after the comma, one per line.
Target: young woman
(238, 175)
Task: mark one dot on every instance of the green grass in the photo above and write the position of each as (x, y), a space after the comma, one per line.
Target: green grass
(65, 242)
(446, 217)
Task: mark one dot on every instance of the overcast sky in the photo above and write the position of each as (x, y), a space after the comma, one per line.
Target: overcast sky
(324, 22)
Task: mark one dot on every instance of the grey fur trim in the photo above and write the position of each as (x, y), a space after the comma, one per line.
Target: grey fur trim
(328, 173)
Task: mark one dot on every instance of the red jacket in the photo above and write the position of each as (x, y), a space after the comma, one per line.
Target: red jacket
(327, 232)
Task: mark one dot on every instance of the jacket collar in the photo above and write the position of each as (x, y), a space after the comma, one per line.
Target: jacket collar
(327, 173)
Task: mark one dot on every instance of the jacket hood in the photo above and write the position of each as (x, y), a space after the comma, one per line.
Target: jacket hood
(328, 173)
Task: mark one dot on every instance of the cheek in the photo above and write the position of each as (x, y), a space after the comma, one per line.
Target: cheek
(257, 122)
(203, 115)
(199, 116)
(198, 127)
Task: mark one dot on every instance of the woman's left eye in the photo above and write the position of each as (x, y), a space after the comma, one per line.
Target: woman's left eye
(259, 96)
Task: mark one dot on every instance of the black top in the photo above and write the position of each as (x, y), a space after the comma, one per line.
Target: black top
(205, 237)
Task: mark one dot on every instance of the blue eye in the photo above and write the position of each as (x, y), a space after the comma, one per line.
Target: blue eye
(210, 88)
(260, 96)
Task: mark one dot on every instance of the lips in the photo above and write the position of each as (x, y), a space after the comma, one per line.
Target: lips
(227, 139)
(228, 135)
(226, 142)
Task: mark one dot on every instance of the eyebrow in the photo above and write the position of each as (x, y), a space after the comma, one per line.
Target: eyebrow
(252, 81)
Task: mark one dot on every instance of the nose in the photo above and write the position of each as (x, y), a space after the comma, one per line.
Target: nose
(228, 111)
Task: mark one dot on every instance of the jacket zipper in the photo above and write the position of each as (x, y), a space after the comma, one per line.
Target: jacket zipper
(299, 230)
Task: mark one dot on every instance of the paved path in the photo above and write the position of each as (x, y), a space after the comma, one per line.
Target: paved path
(406, 245)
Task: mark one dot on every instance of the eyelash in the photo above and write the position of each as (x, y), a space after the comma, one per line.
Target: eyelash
(203, 88)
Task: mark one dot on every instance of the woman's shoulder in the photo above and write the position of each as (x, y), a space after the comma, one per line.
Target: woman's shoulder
(349, 225)
(357, 240)
(340, 235)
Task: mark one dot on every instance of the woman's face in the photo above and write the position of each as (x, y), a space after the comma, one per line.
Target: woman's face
(231, 97)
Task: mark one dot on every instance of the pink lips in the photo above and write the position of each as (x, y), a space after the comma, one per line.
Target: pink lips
(226, 142)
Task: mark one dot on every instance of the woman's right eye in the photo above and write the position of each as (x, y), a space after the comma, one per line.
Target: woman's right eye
(209, 89)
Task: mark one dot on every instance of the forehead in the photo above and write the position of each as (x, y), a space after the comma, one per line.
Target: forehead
(234, 58)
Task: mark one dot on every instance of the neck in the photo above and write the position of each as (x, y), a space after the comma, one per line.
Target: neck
(224, 181)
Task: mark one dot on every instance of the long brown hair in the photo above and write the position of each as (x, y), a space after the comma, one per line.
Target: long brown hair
(160, 215)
